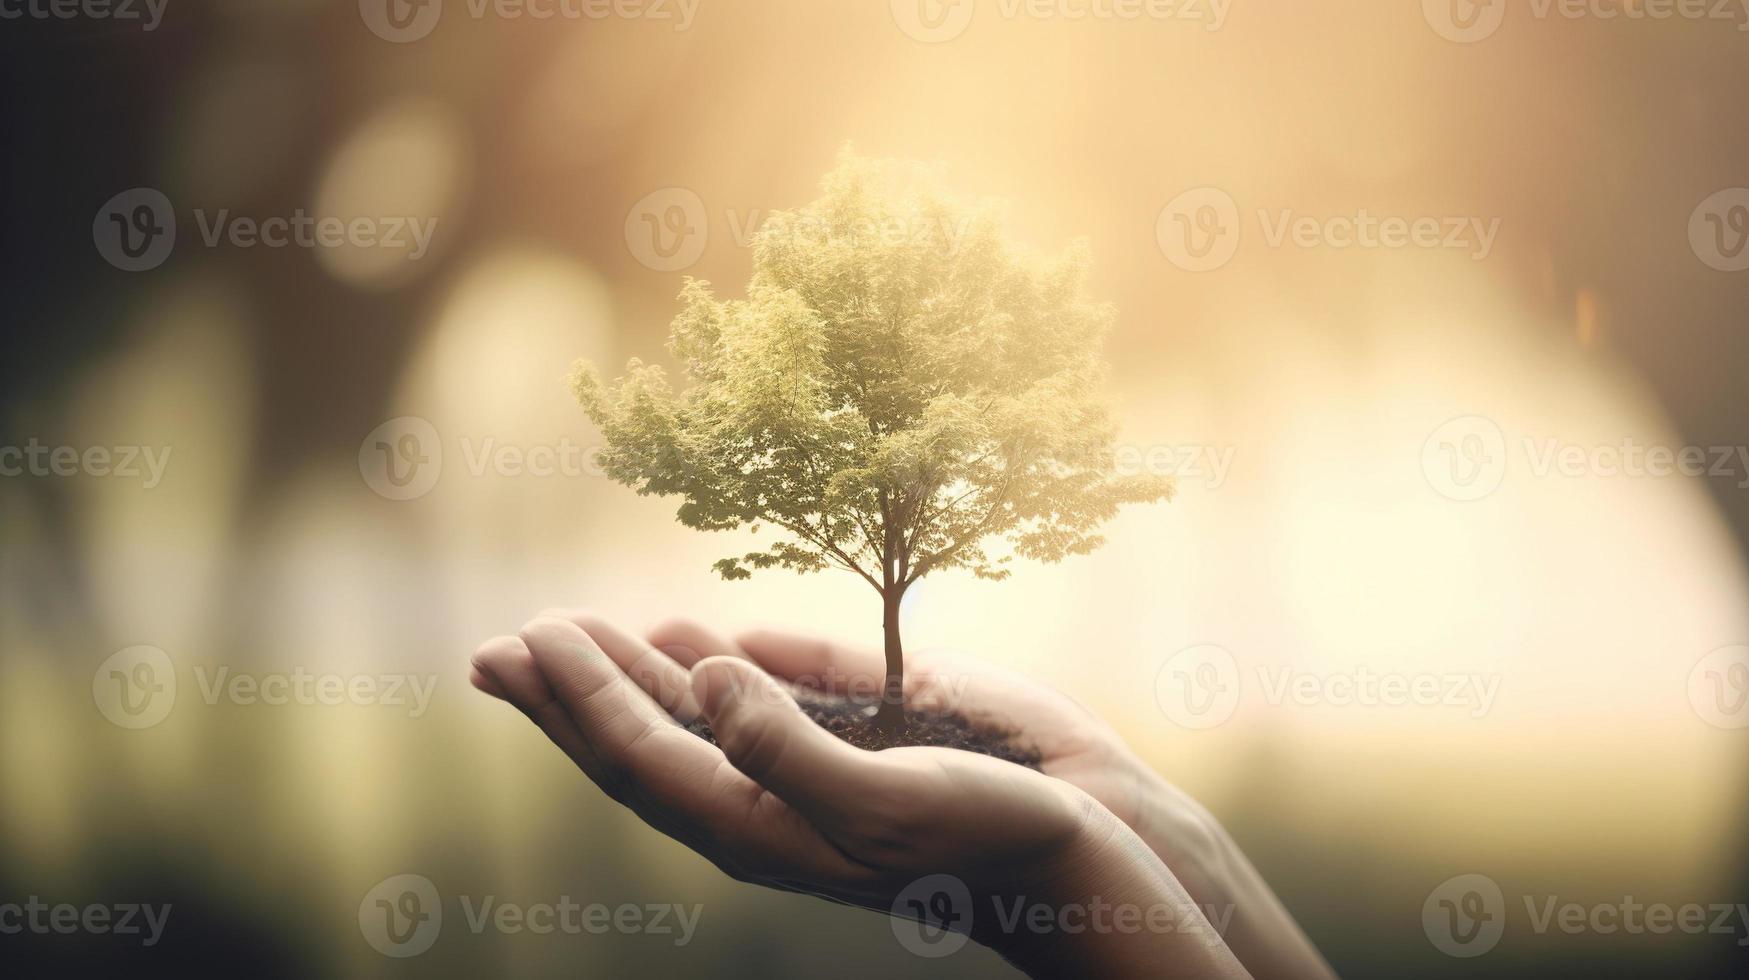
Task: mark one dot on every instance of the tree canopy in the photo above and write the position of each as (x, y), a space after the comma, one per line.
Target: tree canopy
(903, 390)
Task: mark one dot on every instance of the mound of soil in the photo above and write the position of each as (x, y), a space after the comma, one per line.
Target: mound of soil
(853, 721)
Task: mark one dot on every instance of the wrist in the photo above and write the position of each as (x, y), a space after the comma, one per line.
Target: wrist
(1222, 882)
(1186, 836)
(1105, 906)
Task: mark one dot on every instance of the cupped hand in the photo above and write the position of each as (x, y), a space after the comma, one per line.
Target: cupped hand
(783, 803)
(1074, 746)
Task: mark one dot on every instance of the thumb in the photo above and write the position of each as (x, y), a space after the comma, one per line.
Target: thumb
(766, 736)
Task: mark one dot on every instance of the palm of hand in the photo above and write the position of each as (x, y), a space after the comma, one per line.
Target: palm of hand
(781, 801)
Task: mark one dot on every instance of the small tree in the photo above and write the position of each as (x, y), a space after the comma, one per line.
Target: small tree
(901, 386)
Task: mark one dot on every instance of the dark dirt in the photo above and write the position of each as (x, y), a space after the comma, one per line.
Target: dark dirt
(853, 721)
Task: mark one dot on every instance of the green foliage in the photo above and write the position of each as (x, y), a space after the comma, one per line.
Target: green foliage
(901, 387)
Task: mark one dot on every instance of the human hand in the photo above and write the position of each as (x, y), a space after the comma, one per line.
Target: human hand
(1074, 746)
(786, 804)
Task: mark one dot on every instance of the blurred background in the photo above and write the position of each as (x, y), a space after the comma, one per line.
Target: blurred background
(368, 461)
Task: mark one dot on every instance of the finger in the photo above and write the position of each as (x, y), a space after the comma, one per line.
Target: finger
(688, 641)
(764, 734)
(674, 780)
(509, 666)
(508, 672)
(657, 675)
(817, 663)
(509, 663)
(619, 738)
(484, 683)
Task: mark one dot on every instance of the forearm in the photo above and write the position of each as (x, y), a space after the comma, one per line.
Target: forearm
(1224, 884)
(1112, 909)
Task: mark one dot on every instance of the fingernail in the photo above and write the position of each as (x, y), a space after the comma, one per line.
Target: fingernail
(484, 680)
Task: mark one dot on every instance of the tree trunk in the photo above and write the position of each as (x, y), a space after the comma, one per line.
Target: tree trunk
(891, 717)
